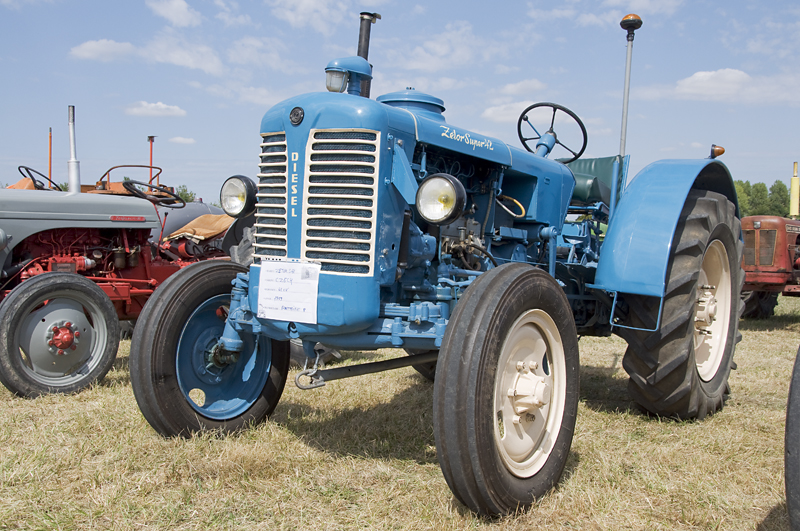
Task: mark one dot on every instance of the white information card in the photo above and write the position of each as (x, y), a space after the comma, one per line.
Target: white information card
(288, 291)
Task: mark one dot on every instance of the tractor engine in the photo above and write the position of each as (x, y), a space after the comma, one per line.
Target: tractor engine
(123, 263)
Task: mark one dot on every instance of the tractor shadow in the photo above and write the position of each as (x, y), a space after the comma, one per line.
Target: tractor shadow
(605, 389)
(401, 428)
(789, 322)
(776, 520)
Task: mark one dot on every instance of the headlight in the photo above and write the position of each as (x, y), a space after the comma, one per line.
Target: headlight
(335, 81)
(441, 199)
(238, 196)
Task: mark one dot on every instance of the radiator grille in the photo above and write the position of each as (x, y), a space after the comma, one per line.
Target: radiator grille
(340, 200)
(766, 247)
(270, 228)
(749, 247)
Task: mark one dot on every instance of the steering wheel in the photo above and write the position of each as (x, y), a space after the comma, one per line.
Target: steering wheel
(39, 185)
(172, 201)
(537, 135)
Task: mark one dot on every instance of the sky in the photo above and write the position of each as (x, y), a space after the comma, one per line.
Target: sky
(200, 74)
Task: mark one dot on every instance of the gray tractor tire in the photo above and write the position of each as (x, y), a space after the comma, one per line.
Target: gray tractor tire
(59, 333)
(681, 370)
(759, 304)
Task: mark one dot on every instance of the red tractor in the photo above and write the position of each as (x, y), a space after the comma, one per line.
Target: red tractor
(771, 263)
(73, 264)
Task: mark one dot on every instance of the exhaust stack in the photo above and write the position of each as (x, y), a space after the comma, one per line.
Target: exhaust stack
(367, 19)
(794, 196)
(73, 166)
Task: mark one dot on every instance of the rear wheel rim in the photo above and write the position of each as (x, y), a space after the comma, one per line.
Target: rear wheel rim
(220, 392)
(529, 393)
(60, 363)
(712, 310)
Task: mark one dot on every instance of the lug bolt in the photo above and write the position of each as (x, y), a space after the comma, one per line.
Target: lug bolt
(60, 352)
(55, 329)
(73, 347)
(68, 324)
(516, 419)
(533, 365)
(51, 343)
(77, 334)
(520, 366)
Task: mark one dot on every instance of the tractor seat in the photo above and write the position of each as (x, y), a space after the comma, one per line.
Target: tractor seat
(589, 190)
(593, 178)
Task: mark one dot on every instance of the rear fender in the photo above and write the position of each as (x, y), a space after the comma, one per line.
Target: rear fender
(635, 253)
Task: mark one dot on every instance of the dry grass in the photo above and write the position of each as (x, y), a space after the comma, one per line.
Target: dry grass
(360, 453)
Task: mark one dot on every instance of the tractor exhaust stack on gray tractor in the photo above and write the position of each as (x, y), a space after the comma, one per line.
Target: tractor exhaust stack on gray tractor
(73, 166)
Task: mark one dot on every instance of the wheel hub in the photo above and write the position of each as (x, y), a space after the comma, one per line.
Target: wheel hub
(61, 337)
(529, 394)
(706, 311)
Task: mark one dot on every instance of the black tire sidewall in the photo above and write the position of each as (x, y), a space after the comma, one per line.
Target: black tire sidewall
(154, 354)
(507, 313)
(17, 305)
(717, 385)
(792, 447)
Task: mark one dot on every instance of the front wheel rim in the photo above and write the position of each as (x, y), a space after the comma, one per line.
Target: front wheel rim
(529, 393)
(712, 310)
(226, 392)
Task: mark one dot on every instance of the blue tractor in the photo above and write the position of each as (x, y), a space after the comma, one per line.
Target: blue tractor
(378, 224)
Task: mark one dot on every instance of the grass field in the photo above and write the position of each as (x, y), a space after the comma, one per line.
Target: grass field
(360, 453)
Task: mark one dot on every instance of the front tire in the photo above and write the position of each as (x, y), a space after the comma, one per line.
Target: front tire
(682, 369)
(178, 389)
(792, 447)
(506, 390)
(59, 333)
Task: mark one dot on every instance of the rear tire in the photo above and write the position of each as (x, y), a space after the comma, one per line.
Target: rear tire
(177, 390)
(759, 304)
(426, 370)
(682, 369)
(513, 330)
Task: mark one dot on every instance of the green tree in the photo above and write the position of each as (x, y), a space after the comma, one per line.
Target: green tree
(759, 200)
(185, 194)
(743, 189)
(779, 199)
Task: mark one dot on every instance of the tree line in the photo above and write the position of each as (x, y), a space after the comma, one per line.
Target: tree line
(756, 200)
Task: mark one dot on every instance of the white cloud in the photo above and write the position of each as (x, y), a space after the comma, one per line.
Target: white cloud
(142, 108)
(523, 87)
(322, 15)
(17, 4)
(455, 46)
(182, 140)
(227, 15)
(171, 48)
(103, 50)
(730, 86)
(602, 19)
(256, 51)
(508, 112)
(258, 95)
(177, 12)
(551, 14)
(665, 7)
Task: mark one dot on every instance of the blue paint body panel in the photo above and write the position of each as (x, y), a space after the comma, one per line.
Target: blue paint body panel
(635, 253)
